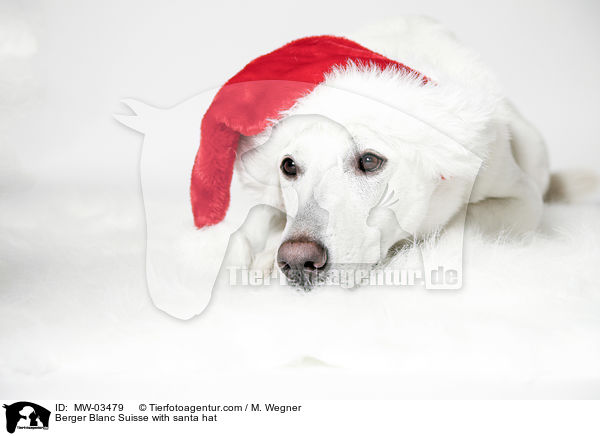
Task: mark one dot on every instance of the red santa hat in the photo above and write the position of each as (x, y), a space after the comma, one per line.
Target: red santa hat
(256, 96)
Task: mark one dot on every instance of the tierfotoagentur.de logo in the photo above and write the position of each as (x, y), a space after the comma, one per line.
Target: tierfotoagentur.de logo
(26, 415)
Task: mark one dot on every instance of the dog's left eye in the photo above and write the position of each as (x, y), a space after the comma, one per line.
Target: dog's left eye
(370, 162)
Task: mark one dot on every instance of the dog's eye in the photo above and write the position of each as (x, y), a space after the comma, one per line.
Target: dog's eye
(288, 167)
(370, 162)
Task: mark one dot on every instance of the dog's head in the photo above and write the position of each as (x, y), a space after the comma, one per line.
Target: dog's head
(349, 196)
(356, 175)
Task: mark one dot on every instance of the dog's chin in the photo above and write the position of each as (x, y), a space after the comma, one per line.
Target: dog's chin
(304, 281)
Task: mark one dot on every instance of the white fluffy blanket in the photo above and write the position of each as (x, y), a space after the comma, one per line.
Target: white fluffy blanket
(76, 317)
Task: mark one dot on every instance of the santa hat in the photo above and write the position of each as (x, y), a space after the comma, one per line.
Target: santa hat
(257, 95)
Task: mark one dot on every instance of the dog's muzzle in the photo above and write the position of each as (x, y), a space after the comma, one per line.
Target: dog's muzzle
(301, 260)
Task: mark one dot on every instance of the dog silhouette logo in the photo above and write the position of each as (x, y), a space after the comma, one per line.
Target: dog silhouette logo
(26, 415)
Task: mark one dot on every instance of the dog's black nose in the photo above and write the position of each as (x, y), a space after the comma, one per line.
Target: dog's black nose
(301, 256)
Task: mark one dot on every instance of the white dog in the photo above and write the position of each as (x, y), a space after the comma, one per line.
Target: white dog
(373, 158)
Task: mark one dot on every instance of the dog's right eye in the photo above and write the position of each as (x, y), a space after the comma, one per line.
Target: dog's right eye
(288, 167)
